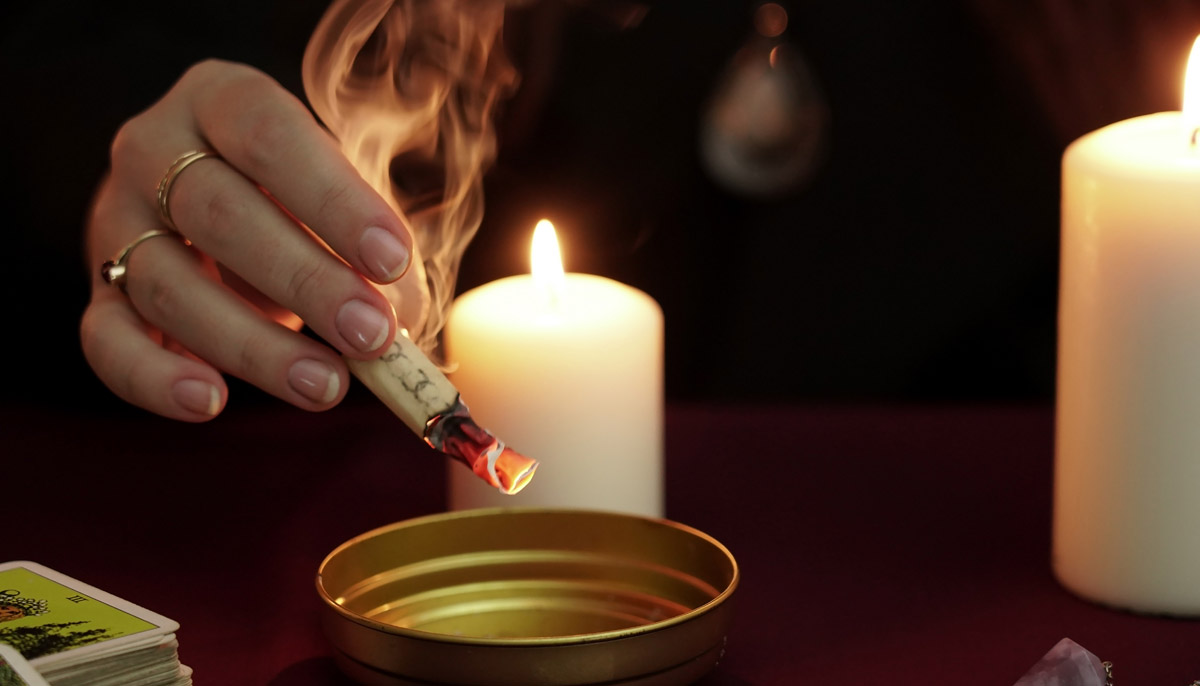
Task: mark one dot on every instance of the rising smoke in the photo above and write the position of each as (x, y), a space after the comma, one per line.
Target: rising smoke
(409, 89)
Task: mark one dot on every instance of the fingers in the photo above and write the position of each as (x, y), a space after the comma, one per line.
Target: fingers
(171, 291)
(281, 226)
(171, 288)
(227, 217)
(122, 351)
(267, 134)
(270, 142)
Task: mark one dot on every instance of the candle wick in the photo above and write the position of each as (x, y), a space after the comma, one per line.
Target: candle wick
(1195, 135)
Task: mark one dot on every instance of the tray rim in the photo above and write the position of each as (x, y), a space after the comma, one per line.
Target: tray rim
(525, 642)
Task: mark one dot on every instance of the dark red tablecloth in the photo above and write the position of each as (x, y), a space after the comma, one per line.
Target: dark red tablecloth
(878, 545)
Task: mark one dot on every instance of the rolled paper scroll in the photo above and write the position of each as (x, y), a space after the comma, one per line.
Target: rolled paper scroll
(412, 386)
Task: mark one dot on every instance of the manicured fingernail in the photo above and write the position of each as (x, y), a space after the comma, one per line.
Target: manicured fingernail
(315, 380)
(383, 254)
(198, 396)
(363, 326)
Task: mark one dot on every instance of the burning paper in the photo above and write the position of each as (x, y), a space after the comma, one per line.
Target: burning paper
(420, 395)
(456, 434)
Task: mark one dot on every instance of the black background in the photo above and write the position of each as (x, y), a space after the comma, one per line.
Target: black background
(920, 264)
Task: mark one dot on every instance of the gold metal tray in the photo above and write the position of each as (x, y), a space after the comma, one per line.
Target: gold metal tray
(528, 597)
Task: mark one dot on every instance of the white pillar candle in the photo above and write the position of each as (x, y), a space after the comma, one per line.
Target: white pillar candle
(1127, 465)
(566, 369)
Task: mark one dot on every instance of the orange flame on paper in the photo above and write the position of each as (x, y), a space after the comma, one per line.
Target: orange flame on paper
(409, 89)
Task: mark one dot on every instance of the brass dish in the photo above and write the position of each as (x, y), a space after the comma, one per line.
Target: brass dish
(528, 597)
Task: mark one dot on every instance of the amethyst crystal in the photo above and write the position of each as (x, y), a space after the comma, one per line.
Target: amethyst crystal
(1067, 664)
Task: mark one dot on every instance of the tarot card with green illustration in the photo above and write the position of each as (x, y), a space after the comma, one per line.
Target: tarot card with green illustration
(49, 617)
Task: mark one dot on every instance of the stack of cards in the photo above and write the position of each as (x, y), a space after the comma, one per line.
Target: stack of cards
(59, 631)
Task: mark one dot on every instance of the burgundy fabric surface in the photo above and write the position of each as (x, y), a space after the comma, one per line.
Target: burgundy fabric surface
(897, 545)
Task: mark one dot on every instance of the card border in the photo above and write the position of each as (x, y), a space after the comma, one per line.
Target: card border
(21, 666)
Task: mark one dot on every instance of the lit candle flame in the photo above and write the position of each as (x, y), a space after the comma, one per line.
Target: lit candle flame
(546, 260)
(1191, 93)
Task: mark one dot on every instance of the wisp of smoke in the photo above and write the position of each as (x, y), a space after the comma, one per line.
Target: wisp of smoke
(409, 88)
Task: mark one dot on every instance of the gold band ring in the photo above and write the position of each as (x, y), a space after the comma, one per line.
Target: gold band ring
(113, 271)
(168, 180)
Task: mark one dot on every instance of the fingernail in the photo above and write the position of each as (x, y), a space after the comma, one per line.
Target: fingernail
(383, 254)
(198, 396)
(315, 380)
(363, 326)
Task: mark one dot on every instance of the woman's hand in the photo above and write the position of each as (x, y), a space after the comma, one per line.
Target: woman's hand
(282, 230)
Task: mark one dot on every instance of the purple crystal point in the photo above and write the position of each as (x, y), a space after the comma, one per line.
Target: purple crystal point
(1067, 664)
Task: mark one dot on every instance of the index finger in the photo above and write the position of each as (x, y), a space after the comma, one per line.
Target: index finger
(268, 135)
